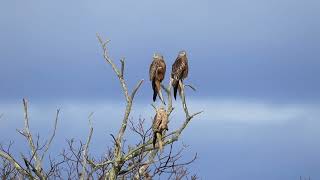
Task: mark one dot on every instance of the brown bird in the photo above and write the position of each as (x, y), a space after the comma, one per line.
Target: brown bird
(160, 123)
(179, 71)
(157, 72)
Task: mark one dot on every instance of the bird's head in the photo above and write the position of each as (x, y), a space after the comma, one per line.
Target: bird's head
(162, 109)
(182, 53)
(157, 56)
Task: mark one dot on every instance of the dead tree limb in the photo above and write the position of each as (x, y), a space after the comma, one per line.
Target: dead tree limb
(129, 100)
(85, 150)
(52, 136)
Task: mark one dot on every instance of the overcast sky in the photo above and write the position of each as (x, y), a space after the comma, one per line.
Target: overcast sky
(255, 65)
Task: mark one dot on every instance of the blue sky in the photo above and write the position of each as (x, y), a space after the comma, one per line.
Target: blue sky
(255, 65)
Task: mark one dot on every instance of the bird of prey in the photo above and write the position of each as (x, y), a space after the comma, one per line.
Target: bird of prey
(160, 123)
(179, 71)
(157, 72)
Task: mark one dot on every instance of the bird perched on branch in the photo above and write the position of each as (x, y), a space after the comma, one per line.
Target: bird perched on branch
(160, 123)
(157, 72)
(179, 71)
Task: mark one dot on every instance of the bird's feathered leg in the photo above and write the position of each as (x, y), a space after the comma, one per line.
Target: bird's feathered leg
(181, 88)
(182, 95)
(158, 89)
(161, 97)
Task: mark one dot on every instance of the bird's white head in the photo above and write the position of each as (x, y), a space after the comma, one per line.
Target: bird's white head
(182, 53)
(157, 56)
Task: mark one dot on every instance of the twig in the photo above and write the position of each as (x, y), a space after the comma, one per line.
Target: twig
(52, 136)
(154, 107)
(122, 66)
(114, 67)
(85, 150)
(190, 86)
(136, 89)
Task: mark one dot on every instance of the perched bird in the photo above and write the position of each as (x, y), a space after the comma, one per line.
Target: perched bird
(179, 71)
(160, 123)
(157, 72)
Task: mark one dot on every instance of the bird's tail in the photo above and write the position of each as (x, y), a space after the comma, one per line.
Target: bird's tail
(154, 139)
(154, 91)
(159, 137)
(175, 85)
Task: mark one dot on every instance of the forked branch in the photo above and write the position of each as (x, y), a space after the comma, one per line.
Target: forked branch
(129, 100)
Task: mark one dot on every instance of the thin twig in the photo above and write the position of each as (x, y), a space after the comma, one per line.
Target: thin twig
(190, 86)
(136, 89)
(52, 136)
(122, 66)
(86, 148)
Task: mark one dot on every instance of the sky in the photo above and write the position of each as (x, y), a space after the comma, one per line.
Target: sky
(255, 65)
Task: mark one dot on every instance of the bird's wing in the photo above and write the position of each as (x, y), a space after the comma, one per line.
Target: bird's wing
(186, 68)
(164, 119)
(177, 68)
(152, 69)
(156, 122)
(164, 67)
(160, 70)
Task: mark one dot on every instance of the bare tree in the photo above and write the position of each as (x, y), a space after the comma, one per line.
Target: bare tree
(141, 160)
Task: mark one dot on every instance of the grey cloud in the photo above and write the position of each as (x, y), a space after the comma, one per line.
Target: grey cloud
(234, 139)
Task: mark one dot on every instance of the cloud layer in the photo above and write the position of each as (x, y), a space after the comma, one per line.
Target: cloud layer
(234, 138)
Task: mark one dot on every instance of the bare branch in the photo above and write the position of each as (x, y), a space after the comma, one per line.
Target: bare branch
(14, 163)
(34, 169)
(154, 106)
(27, 134)
(129, 100)
(168, 91)
(190, 86)
(114, 67)
(52, 136)
(85, 150)
(122, 67)
(136, 89)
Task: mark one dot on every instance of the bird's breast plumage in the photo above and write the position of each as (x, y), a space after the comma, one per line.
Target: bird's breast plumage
(180, 68)
(157, 69)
